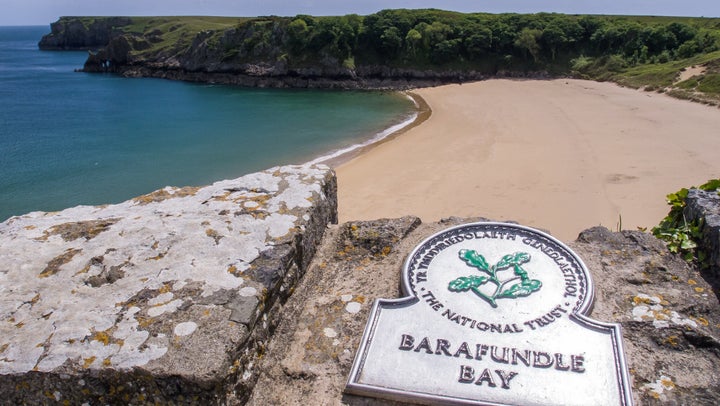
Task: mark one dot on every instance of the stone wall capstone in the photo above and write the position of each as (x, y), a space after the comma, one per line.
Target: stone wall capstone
(160, 299)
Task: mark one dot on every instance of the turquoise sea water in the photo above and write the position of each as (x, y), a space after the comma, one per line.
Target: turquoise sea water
(69, 138)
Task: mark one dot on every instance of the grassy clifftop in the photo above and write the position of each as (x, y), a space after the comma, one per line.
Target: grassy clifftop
(412, 44)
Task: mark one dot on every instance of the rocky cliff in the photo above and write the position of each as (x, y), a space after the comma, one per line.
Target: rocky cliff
(235, 51)
(80, 33)
(245, 292)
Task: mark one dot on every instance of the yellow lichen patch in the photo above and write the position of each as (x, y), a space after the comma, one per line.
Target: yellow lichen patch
(156, 257)
(232, 269)
(106, 362)
(30, 227)
(214, 235)
(667, 383)
(385, 251)
(3, 348)
(165, 194)
(155, 245)
(647, 299)
(54, 265)
(692, 282)
(80, 229)
(166, 287)
(222, 197)
(699, 289)
(252, 203)
(84, 270)
(700, 320)
(144, 322)
(235, 366)
(88, 361)
(102, 337)
(672, 340)
(258, 215)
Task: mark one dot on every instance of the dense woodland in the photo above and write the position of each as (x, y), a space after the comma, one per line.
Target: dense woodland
(636, 51)
(433, 37)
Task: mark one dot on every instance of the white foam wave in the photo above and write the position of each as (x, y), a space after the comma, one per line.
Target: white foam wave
(377, 138)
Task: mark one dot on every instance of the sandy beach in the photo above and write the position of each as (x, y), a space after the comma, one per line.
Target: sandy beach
(560, 155)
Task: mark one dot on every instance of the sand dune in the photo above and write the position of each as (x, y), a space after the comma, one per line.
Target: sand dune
(560, 155)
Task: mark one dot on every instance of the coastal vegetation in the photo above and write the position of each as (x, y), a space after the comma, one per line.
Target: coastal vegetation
(641, 52)
(682, 236)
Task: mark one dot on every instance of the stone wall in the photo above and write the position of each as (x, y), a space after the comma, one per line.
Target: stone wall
(242, 293)
(669, 315)
(160, 299)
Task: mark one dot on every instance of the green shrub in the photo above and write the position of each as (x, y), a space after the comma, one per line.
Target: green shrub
(680, 235)
(710, 83)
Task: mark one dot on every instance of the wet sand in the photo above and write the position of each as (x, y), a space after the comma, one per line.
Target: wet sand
(560, 155)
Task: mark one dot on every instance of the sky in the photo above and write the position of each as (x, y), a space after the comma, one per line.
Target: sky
(43, 12)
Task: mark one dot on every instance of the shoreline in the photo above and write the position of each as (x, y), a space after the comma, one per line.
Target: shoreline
(561, 155)
(339, 157)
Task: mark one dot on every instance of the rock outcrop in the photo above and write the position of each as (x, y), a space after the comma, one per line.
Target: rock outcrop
(166, 298)
(669, 314)
(80, 33)
(241, 293)
(703, 207)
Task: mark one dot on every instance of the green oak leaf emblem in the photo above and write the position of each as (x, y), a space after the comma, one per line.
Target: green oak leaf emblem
(519, 285)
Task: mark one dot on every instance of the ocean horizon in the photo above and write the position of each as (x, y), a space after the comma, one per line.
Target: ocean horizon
(69, 138)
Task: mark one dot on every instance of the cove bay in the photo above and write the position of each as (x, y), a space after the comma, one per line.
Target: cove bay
(70, 138)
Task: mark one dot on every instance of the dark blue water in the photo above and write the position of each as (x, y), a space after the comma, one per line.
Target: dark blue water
(69, 138)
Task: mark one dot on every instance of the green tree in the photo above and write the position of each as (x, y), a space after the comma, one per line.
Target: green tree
(553, 37)
(413, 40)
(479, 42)
(446, 51)
(299, 33)
(391, 41)
(528, 42)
